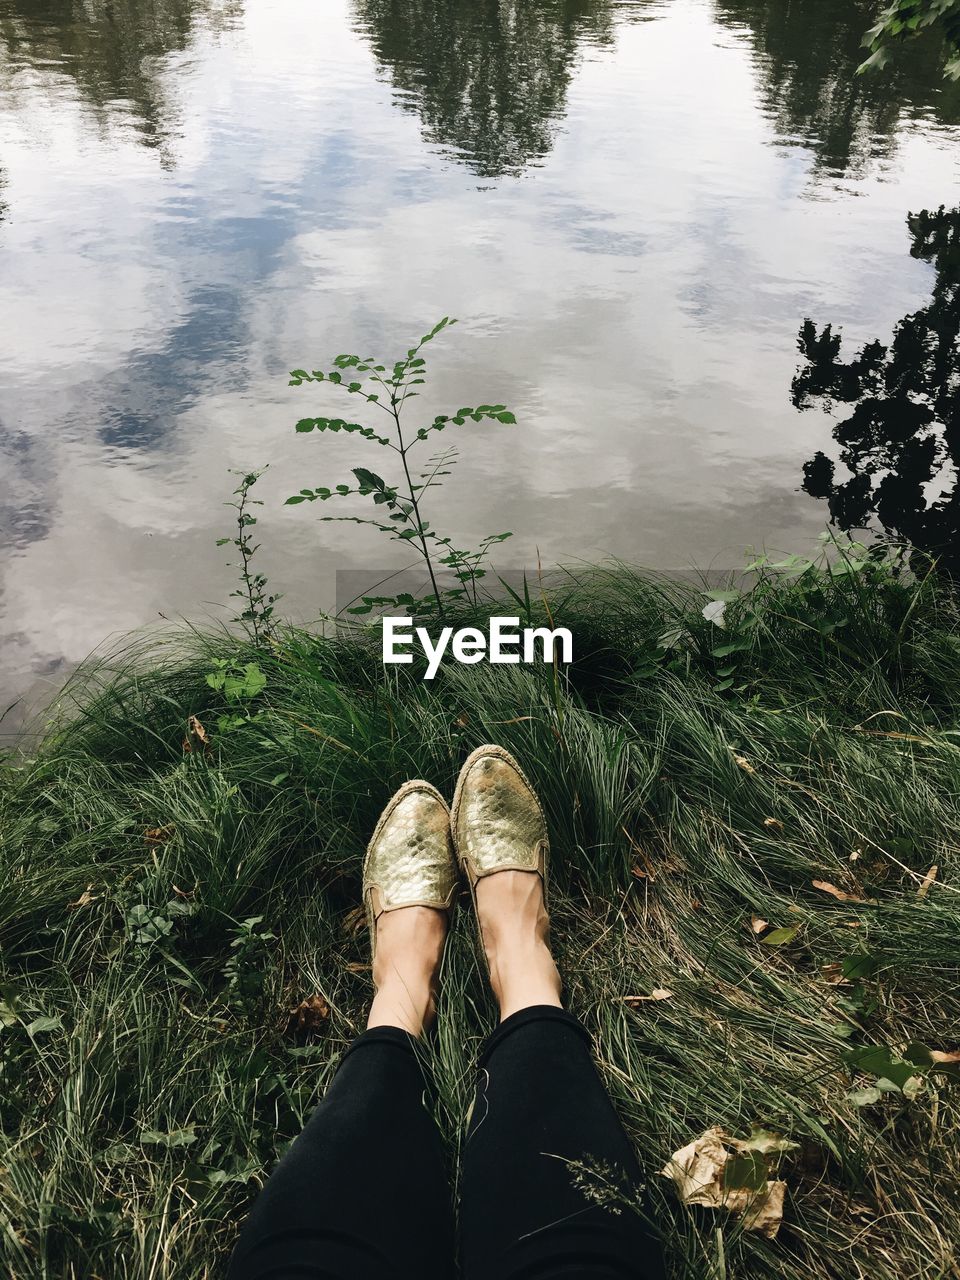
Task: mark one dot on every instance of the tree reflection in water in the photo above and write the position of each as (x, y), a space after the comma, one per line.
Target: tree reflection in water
(488, 78)
(807, 52)
(901, 442)
(111, 49)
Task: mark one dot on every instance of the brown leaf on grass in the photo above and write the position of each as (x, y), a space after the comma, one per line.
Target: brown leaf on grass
(841, 895)
(309, 1015)
(833, 973)
(658, 993)
(928, 880)
(773, 822)
(158, 835)
(697, 1171)
(196, 737)
(646, 871)
(758, 924)
(84, 900)
(743, 763)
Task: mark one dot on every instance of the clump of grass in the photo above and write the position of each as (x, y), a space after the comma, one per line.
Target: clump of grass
(169, 895)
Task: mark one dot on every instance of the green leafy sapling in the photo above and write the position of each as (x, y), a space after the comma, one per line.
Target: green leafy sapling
(399, 501)
(257, 613)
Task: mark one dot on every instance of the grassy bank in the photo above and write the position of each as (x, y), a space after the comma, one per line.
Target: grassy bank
(162, 912)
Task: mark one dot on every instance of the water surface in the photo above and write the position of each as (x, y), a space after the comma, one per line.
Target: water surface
(631, 207)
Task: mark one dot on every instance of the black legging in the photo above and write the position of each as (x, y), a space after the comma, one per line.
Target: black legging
(362, 1193)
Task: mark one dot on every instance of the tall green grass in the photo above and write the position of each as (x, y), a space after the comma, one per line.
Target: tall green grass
(151, 1072)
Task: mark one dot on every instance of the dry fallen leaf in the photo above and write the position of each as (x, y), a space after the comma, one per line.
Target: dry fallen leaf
(196, 737)
(310, 1014)
(773, 822)
(647, 871)
(157, 835)
(658, 993)
(744, 764)
(84, 900)
(833, 973)
(697, 1170)
(928, 880)
(841, 896)
(757, 924)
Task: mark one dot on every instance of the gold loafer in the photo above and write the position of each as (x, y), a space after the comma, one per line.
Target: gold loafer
(409, 860)
(497, 821)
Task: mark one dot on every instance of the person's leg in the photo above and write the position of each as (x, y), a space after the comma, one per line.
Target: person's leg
(539, 1105)
(362, 1193)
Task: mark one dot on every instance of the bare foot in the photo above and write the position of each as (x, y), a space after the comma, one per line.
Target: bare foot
(515, 926)
(405, 968)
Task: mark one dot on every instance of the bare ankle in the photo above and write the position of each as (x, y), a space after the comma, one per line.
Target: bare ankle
(515, 928)
(405, 968)
(523, 977)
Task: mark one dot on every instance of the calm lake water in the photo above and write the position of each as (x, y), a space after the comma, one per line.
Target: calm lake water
(631, 207)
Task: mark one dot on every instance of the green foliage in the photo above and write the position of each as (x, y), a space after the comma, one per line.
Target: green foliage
(257, 614)
(904, 19)
(150, 1085)
(401, 518)
(247, 970)
(240, 683)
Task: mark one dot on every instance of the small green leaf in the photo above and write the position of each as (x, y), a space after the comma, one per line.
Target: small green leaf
(369, 479)
(254, 680)
(856, 967)
(173, 1138)
(42, 1024)
(781, 937)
